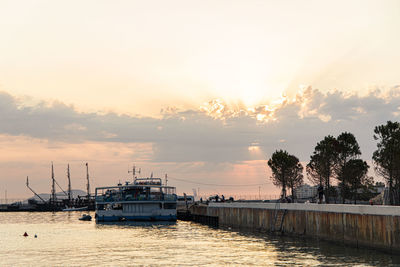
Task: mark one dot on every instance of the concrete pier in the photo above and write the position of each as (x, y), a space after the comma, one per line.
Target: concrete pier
(357, 225)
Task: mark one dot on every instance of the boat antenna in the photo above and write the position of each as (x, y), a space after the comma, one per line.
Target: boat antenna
(69, 185)
(53, 188)
(151, 176)
(27, 185)
(133, 171)
(166, 179)
(88, 184)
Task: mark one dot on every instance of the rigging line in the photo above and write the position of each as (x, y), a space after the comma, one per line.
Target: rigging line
(60, 187)
(187, 181)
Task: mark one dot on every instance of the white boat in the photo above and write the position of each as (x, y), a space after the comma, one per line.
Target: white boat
(75, 209)
(146, 199)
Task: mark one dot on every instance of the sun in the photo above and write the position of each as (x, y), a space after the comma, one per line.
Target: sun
(249, 83)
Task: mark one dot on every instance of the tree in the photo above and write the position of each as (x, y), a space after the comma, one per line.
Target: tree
(286, 170)
(387, 157)
(368, 189)
(347, 149)
(322, 163)
(332, 192)
(356, 177)
(295, 178)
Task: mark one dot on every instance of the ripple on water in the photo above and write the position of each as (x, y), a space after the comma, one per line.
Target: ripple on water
(63, 240)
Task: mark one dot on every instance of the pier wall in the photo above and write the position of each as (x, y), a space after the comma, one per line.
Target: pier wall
(358, 225)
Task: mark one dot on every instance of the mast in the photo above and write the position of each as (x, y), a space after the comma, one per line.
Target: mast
(53, 188)
(166, 179)
(88, 184)
(133, 171)
(27, 185)
(69, 185)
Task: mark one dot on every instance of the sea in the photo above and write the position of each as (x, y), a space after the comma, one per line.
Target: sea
(63, 240)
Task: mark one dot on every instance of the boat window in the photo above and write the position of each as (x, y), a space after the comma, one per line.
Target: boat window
(155, 190)
(117, 206)
(169, 206)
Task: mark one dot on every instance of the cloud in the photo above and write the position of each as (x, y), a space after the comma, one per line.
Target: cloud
(216, 132)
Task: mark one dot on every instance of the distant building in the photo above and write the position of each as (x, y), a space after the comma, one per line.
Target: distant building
(379, 187)
(306, 191)
(376, 189)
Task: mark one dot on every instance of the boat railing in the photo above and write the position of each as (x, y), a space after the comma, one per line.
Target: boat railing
(117, 198)
(170, 197)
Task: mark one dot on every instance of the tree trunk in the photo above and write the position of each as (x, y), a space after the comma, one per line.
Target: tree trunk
(293, 196)
(391, 177)
(328, 187)
(394, 194)
(343, 193)
(283, 187)
(390, 190)
(355, 197)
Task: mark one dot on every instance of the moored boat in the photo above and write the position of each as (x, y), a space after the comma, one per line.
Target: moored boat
(85, 217)
(146, 199)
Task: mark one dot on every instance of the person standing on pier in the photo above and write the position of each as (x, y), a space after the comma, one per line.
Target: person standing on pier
(320, 193)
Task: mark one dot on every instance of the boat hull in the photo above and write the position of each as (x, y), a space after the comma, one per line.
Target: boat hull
(75, 209)
(104, 218)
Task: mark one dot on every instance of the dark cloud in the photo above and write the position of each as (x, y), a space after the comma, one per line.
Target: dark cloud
(213, 135)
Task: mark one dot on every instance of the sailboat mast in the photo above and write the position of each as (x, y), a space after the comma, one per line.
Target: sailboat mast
(53, 188)
(69, 186)
(88, 184)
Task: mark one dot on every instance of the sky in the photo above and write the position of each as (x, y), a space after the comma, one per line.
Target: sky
(205, 90)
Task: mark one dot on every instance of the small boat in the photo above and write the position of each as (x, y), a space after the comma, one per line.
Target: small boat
(75, 209)
(85, 217)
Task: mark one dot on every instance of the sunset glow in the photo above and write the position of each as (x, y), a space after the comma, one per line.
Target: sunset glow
(204, 91)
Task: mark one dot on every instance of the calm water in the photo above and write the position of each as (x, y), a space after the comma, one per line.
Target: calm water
(63, 240)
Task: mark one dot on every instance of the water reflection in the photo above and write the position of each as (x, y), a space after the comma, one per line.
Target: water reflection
(63, 240)
(126, 224)
(318, 252)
